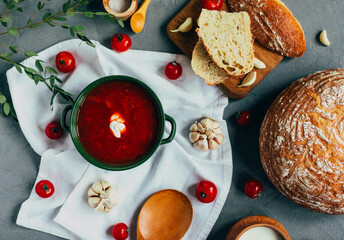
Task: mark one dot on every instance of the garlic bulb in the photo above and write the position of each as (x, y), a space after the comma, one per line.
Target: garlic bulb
(102, 197)
(206, 135)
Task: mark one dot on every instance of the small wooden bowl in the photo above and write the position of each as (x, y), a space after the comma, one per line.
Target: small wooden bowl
(256, 221)
(123, 15)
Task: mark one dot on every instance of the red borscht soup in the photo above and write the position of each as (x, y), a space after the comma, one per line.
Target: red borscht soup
(118, 122)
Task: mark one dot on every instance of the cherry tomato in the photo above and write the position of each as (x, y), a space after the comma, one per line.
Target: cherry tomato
(120, 42)
(212, 4)
(65, 62)
(253, 188)
(206, 191)
(120, 231)
(54, 130)
(244, 118)
(44, 188)
(173, 70)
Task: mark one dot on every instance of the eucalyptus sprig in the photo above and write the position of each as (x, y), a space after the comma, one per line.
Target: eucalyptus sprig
(42, 72)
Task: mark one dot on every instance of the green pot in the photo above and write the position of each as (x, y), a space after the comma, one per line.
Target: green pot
(73, 123)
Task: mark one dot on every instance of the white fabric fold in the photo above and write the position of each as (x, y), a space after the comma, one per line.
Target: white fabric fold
(176, 165)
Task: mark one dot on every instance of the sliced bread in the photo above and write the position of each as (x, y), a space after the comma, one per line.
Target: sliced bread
(203, 66)
(228, 40)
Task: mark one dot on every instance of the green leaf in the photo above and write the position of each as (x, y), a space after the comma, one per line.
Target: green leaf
(18, 67)
(6, 55)
(120, 23)
(61, 19)
(13, 49)
(30, 70)
(102, 14)
(30, 75)
(14, 114)
(34, 26)
(13, 31)
(71, 31)
(29, 21)
(30, 54)
(85, 39)
(6, 19)
(19, 9)
(78, 28)
(4, 24)
(51, 70)
(46, 16)
(65, 6)
(70, 13)
(40, 5)
(65, 26)
(50, 24)
(88, 14)
(2, 99)
(53, 96)
(39, 65)
(6, 108)
(57, 79)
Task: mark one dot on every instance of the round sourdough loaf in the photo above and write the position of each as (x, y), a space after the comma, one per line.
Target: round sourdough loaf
(302, 142)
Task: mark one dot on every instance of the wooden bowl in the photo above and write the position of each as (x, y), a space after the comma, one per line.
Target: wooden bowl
(166, 215)
(123, 15)
(256, 221)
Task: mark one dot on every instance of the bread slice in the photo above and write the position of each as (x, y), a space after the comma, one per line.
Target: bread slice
(273, 25)
(203, 66)
(228, 40)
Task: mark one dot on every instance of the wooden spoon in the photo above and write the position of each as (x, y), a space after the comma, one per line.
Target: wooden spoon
(166, 215)
(137, 21)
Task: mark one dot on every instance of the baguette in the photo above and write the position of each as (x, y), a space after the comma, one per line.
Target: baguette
(228, 40)
(273, 25)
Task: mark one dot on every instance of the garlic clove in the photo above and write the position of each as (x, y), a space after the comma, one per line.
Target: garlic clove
(97, 187)
(213, 144)
(207, 123)
(324, 39)
(200, 127)
(91, 192)
(94, 201)
(219, 138)
(217, 130)
(258, 64)
(249, 79)
(186, 26)
(194, 127)
(194, 136)
(105, 185)
(202, 145)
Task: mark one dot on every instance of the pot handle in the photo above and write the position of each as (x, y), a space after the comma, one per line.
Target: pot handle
(173, 130)
(63, 118)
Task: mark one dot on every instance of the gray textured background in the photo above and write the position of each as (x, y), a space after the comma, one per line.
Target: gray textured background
(19, 164)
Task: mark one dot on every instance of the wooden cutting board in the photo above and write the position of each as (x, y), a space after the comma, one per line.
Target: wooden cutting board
(187, 41)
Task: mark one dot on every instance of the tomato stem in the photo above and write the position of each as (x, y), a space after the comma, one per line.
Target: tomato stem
(174, 63)
(56, 130)
(45, 187)
(203, 195)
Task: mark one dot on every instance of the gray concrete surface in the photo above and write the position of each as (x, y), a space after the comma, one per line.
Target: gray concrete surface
(19, 164)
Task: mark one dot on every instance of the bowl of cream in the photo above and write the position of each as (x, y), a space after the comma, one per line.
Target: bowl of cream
(258, 228)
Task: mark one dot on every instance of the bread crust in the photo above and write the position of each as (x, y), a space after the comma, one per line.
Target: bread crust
(302, 142)
(273, 25)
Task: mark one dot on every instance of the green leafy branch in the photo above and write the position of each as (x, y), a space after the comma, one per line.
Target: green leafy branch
(43, 73)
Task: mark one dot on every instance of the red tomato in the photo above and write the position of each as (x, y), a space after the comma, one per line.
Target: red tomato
(173, 70)
(206, 191)
(212, 4)
(65, 62)
(120, 231)
(44, 189)
(54, 130)
(253, 188)
(244, 118)
(120, 42)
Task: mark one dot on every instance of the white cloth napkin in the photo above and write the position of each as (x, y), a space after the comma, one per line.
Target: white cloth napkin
(176, 165)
